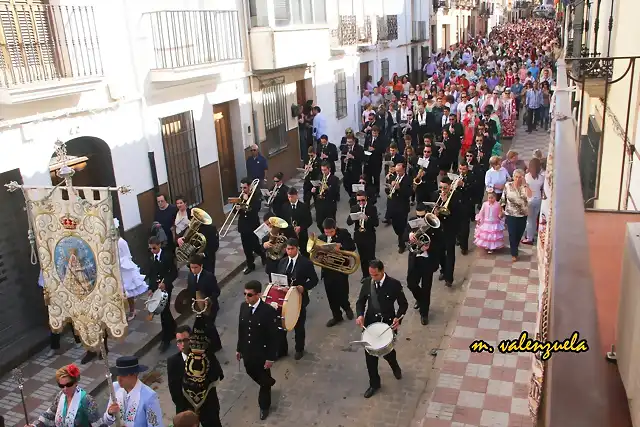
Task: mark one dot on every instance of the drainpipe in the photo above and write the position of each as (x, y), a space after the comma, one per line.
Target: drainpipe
(245, 15)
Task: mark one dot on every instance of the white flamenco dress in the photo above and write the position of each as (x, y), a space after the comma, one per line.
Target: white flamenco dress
(132, 280)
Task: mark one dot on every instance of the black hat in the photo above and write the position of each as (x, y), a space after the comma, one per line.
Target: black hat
(127, 365)
(420, 207)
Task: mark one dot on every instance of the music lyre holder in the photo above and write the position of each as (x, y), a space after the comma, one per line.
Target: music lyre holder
(18, 378)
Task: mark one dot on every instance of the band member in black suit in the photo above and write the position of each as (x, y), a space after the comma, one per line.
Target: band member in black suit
(364, 231)
(399, 195)
(376, 145)
(450, 227)
(161, 274)
(376, 303)
(278, 197)
(326, 195)
(468, 190)
(298, 215)
(258, 342)
(313, 173)
(481, 148)
(301, 274)
(421, 119)
(430, 171)
(352, 157)
(328, 153)
(336, 284)
(210, 232)
(422, 265)
(206, 285)
(369, 190)
(369, 123)
(209, 412)
(248, 221)
(274, 250)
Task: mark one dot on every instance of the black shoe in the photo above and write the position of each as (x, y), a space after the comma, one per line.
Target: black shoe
(298, 355)
(333, 322)
(401, 249)
(164, 346)
(464, 251)
(370, 392)
(349, 314)
(416, 306)
(448, 284)
(424, 320)
(248, 269)
(397, 372)
(441, 276)
(264, 413)
(88, 357)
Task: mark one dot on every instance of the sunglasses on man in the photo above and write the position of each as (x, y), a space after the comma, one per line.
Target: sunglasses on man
(249, 294)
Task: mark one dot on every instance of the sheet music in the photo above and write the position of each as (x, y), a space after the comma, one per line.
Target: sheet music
(279, 279)
(261, 231)
(422, 162)
(357, 187)
(315, 183)
(422, 255)
(265, 192)
(357, 216)
(368, 153)
(417, 223)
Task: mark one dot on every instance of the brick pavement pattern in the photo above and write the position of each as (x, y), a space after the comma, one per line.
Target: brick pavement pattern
(483, 389)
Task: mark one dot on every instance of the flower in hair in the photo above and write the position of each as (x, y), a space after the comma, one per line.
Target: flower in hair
(490, 189)
(73, 371)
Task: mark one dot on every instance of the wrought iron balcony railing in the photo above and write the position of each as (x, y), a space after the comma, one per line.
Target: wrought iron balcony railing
(365, 35)
(46, 43)
(387, 28)
(444, 4)
(186, 38)
(347, 32)
(419, 30)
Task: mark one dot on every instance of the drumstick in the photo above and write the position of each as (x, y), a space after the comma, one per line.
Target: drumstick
(389, 327)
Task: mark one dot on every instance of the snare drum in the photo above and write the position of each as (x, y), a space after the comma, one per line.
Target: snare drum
(287, 300)
(380, 339)
(157, 302)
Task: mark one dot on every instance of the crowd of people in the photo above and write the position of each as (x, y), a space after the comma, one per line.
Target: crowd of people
(434, 147)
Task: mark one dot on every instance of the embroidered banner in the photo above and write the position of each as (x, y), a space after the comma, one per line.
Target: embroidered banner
(77, 246)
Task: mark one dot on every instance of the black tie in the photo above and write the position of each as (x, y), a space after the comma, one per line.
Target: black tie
(293, 209)
(289, 268)
(377, 285)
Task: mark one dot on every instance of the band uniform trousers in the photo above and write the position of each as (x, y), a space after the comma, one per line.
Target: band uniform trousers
(324, 213)
(167, 321)
(299, 332)
(366, 244)
(211, 416)
(399, 224)
(373, 178)
(262, 377)
(419, 282)
(372, 367)
(448, 257)
(251, 247)
(465, 228)
(337, 287)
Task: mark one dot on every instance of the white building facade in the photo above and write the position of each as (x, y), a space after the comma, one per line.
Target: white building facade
(453, 22)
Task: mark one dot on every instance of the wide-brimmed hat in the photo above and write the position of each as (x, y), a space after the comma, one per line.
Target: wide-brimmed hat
(127, 365)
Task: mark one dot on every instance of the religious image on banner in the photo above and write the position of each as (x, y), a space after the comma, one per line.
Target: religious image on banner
(73, 232)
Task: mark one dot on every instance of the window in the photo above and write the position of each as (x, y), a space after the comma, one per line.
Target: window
(341, 93)
(299, 12)
(181, 157)
(274, 104)
(384, 70)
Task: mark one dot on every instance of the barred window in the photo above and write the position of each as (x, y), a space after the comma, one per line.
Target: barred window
(181, 157)
(384, 70)
(341, 93)
(274, 104)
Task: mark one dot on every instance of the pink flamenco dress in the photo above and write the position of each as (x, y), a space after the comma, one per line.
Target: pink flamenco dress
(489, 232)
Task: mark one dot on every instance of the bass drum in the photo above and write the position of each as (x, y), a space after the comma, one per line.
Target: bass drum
(287, 300)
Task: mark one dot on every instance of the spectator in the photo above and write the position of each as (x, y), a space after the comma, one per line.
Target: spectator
(166, 217)
(319, 123)
(257, 165)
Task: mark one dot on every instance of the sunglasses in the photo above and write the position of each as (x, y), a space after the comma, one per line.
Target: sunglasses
(469, 155)
(253, 150)
(362, 200)
(444, 187)
(249, 294)
(427, 152)
(275, 181)
(67, 385)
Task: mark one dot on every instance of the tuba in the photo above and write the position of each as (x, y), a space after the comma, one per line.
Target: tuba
(276, 238)
(194, 241)
(421, 236)
(346, 262)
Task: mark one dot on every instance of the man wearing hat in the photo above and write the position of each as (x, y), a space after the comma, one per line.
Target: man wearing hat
(139, 404)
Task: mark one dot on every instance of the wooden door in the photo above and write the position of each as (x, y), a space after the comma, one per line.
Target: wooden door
(301, 92)
(364, 72)
(226, 158)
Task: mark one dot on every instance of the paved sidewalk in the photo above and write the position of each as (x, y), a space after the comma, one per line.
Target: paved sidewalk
(39, 371)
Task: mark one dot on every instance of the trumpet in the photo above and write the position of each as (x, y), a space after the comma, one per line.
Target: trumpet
(362, 220)
(418, 179)
(272, 195)
(308, 168)
(394, 186)
(421, 238)
(239, 203)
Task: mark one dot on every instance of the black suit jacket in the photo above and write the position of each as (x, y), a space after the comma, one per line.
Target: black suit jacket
(175, 375)
(370, 224)
(301, 216)
(430, 263)
(399, 202)
(450, 224)
(210, 232)
(332, 152)
(346, 244)
(330, 196)
(388, 294)
(207, 285)
(164, 270)
(373, 163)
(303, 274)
(485, 149)
(249, 219)
(257, 333)
(279, 200)
(353, 167)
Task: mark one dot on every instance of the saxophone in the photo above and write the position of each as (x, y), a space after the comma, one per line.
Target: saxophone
(323, 187)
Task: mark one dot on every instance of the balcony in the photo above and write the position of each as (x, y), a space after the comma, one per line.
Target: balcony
(365, 33)
(418, 31)
(441, 4)
(346, 34)
(190, 44)
(276, 26)
(387, 28)
(47, 51)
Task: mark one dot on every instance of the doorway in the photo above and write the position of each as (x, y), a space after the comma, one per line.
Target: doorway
(226, 158)
(364, 73)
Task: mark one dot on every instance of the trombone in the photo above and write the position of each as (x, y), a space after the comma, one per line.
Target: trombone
(238, 204)
(444, 209)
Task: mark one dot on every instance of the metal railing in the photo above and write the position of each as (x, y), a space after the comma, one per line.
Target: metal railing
(347, 32)
(418, 30)
(387, 28)
(186, 38)
(589, 38)
(43, 43)
(365, 35)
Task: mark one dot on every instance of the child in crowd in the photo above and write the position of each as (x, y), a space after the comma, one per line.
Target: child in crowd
(489, 233)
